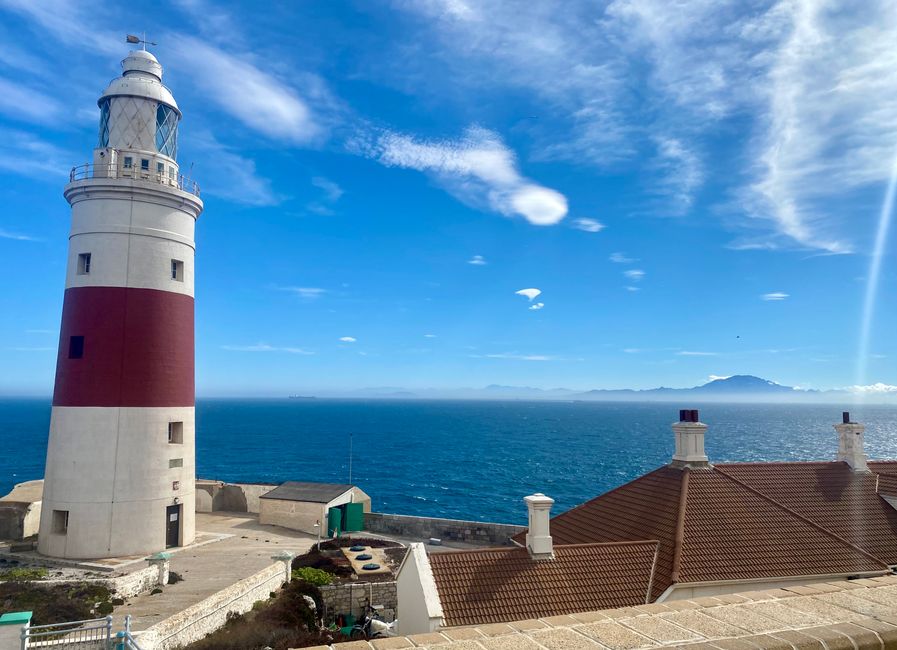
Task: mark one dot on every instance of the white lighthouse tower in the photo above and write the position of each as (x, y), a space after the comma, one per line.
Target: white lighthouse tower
(120, 462)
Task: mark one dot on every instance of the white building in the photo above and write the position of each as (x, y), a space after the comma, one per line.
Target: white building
(120, 462)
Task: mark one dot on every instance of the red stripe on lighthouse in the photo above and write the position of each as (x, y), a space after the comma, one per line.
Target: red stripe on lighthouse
(138, 348)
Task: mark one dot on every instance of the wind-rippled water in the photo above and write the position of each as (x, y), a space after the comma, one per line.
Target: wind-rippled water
(466, 459)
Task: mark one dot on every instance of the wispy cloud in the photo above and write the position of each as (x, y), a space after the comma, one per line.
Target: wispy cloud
(429, 336)
(229, 175)
(348, 339)
(262, 102)
(26, 154)
(477, 260)
(530, 294)
(23, 103)
(5, 234)
(776, 295)
(873, 389)
(716, 377)
(620, 258)
(264, 347)
(308, 293)
(632, 289)
(536, 306)
(635, 275)
(588, 225)
(477, 168)
(331, 194)
(682, 174)
(514, 356)
(694, 353)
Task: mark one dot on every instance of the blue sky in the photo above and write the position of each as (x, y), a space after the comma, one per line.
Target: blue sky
(694, 188)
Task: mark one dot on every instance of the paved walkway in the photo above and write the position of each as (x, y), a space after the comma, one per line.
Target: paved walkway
(211, 567)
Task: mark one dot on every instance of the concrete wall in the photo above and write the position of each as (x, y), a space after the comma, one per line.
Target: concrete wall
(423, 528)
(20, 510)
(419, 610)
(125, 586)
(295, 515)
(352, 598)
(230, 497)
(206, 616)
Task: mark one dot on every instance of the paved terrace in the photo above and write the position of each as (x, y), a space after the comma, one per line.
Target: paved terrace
(857, 615)
(211, 567)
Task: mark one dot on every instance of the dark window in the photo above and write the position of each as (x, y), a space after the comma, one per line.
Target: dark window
(60, 522)
(177, 270)
(175, 462)
(104, 123)
(176, 433)
(129, 162)
(144, 164)
(83, 263)
(76, 347)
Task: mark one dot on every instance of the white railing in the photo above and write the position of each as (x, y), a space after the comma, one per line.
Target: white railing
(93, 634)
(89, 171)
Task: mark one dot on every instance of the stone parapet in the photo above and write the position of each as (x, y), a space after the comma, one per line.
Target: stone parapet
(857, 614)
(455, 530)
(352, 598)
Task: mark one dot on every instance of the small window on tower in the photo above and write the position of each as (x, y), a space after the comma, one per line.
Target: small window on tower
(171, 173)
(83, 263)
(144, 164)
(60, 522)
(129, 162)
(76, 347)
(175, 462)
(160, 169)
(175, 433)
(177, 270)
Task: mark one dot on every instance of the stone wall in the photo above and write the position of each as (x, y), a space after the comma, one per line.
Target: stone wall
(456, 530)
(206, 616)
(352, 598)
(124, 586)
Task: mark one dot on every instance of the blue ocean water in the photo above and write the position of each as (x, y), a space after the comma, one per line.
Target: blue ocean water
(465, 459)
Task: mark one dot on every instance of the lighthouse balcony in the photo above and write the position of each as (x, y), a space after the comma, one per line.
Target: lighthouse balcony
(162, 175)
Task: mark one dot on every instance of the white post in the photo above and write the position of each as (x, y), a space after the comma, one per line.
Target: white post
(162, 562)
(538, 535)
(287, 558)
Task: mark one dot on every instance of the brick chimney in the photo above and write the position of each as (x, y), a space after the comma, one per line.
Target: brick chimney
(689, 432)
(850, 443)
(538, 535)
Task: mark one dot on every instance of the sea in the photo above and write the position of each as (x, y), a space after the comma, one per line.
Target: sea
(465, 459)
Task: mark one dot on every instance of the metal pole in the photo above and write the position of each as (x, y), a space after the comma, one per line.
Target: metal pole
(350, 459)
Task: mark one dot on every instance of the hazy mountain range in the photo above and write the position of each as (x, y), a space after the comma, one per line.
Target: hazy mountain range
(737, 388)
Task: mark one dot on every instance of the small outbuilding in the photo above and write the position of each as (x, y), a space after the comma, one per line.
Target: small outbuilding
(335, 507)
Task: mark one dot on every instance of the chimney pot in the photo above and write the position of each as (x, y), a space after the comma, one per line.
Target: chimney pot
(845, 417)
(694, 416)
(683, 415)
(538, 535)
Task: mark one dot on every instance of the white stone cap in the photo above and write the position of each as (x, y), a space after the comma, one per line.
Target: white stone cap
(539, 500)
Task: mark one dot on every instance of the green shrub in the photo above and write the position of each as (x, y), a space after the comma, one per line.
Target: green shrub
(317, 577)
(73, 602)
(22, 575)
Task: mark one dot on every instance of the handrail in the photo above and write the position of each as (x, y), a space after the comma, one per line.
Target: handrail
(90, 171)
(124, 638)
(70, 633)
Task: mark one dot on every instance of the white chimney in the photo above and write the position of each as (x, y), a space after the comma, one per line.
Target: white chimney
(538, 536)
(850, 443)
(689, 440)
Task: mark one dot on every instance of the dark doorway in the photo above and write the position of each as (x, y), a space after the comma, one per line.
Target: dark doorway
(172, 526)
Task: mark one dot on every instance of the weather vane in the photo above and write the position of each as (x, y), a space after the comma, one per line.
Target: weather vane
(130, 38)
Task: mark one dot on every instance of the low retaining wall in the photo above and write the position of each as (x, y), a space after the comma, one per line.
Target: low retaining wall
(423, 528)
(352, 598)
(206, 616)
(126, 586)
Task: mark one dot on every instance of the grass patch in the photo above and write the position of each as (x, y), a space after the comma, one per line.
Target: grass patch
(316, 577)
(23, 574)
(59, 604)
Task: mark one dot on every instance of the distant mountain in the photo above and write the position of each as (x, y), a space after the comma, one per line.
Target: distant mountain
(736, 387)
(745, 384)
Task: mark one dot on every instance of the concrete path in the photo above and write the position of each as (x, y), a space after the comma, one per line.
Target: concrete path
(209, 568)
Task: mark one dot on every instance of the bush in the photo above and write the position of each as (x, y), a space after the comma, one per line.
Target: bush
(316, 577)
(22, 575)
(337, 566)
(62, 603)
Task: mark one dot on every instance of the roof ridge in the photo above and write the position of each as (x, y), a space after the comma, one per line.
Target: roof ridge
(680, 527)
(493, 549)
(812, 523)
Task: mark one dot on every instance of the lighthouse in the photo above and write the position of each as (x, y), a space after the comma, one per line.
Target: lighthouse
(120, 468)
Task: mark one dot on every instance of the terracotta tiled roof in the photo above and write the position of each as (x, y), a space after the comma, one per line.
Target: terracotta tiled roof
(831, 495)
(504, 584)
(743, 521)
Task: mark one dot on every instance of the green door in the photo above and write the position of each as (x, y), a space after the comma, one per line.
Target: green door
(334, 519)
(354, 517)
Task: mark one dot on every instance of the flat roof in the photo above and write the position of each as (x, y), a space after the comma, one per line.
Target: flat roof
(311, 492)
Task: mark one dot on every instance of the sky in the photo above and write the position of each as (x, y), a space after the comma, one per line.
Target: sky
(455, 193)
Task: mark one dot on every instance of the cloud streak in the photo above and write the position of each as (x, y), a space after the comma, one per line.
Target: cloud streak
(264, 347)
(477, 168)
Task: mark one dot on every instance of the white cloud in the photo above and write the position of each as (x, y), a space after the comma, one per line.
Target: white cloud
(264, 347)
(682, 174)
(429, 336)
(229, 175)
(634, 274)
(243, 89)
(6, 234)
(776, 295)
(715, 377)
(477, 260)
(620, 258)
(25, 154)
(537, 306)
(348, 339)
(309, 293)
(692, 353)
(632, 289)
(522, 357)
(332, 191)
(478, 169)
(588, 225)
(529, 293)
(873, 389)
(633, 350)
(20, 102)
